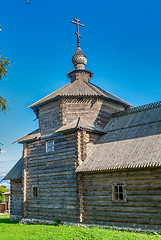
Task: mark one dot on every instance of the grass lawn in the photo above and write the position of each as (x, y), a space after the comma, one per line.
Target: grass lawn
(15, 231)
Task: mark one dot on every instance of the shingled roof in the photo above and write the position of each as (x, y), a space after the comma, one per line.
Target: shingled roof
(29, 137)
(81, 124)
(16, 172)
(79, 88)
(133, 140)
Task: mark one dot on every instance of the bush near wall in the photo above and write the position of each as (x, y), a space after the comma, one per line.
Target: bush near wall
(3, 189)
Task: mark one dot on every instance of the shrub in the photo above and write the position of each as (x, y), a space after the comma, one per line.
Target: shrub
(2, 190)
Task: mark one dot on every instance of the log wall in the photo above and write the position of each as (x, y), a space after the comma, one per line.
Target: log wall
(61, 112)
(16, 210)
(50, 117)
(54, 175)
(142, 208)
(85, 141)
(93, 110)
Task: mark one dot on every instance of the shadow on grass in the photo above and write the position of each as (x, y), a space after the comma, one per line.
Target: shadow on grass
(7, 221)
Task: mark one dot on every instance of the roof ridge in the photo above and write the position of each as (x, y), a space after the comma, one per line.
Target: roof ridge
(141, 124)
(137, 109)
(96, 90)
(145, 106)
(48, 95)
(101, 89)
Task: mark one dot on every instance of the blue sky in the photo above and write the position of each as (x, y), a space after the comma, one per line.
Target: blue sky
(122, 40)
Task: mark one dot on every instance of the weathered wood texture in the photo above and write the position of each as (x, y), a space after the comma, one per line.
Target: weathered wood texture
(94, 110)
(59, 113)
(16, 199)
(2, 207)
(132, 140)
(54, 175)
(85, 141)
(142, 208)
(24, 177)
(50, 117)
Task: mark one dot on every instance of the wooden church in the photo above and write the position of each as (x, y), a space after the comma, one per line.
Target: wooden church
(95, 159)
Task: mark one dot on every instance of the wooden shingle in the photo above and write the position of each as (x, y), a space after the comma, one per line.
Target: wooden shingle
(132, 141)
(16, 172)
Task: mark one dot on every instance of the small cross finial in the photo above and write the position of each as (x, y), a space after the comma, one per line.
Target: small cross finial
(77, 22)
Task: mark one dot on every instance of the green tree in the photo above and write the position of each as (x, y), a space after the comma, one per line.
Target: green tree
(3, 189)
(4, 62)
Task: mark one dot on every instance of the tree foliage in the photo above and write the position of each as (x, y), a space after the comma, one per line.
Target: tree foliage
(4, 62)
(3, 189)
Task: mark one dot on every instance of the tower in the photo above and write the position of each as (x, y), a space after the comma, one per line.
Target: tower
(70, 120)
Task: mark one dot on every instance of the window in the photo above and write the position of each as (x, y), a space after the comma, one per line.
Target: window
(118, 192)
(49, 146)
(35, 191)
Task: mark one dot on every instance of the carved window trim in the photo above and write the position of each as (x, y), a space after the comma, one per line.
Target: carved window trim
(49, 146)
(119, 192)
(80, 99)
(35, 191)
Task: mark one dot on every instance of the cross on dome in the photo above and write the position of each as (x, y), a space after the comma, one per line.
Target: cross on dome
(77, 33)
(79, 59)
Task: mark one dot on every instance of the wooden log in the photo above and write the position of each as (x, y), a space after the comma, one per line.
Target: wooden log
(127, 209)
(124, 225)
(62, 207)
(124, 220)
(124, 204)
(44, 198)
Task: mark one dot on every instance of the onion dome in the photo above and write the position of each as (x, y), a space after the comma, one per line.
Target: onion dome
(79, 59)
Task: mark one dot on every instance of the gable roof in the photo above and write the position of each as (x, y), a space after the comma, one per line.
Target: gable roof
(133, 140)
(81, 124)
(16, 172)
(79, 88)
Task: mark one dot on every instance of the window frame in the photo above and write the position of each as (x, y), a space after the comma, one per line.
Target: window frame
(123, 185)
(35, 186)
(53, 146)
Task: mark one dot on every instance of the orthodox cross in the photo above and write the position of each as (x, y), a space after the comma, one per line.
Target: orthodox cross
(77, 33)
